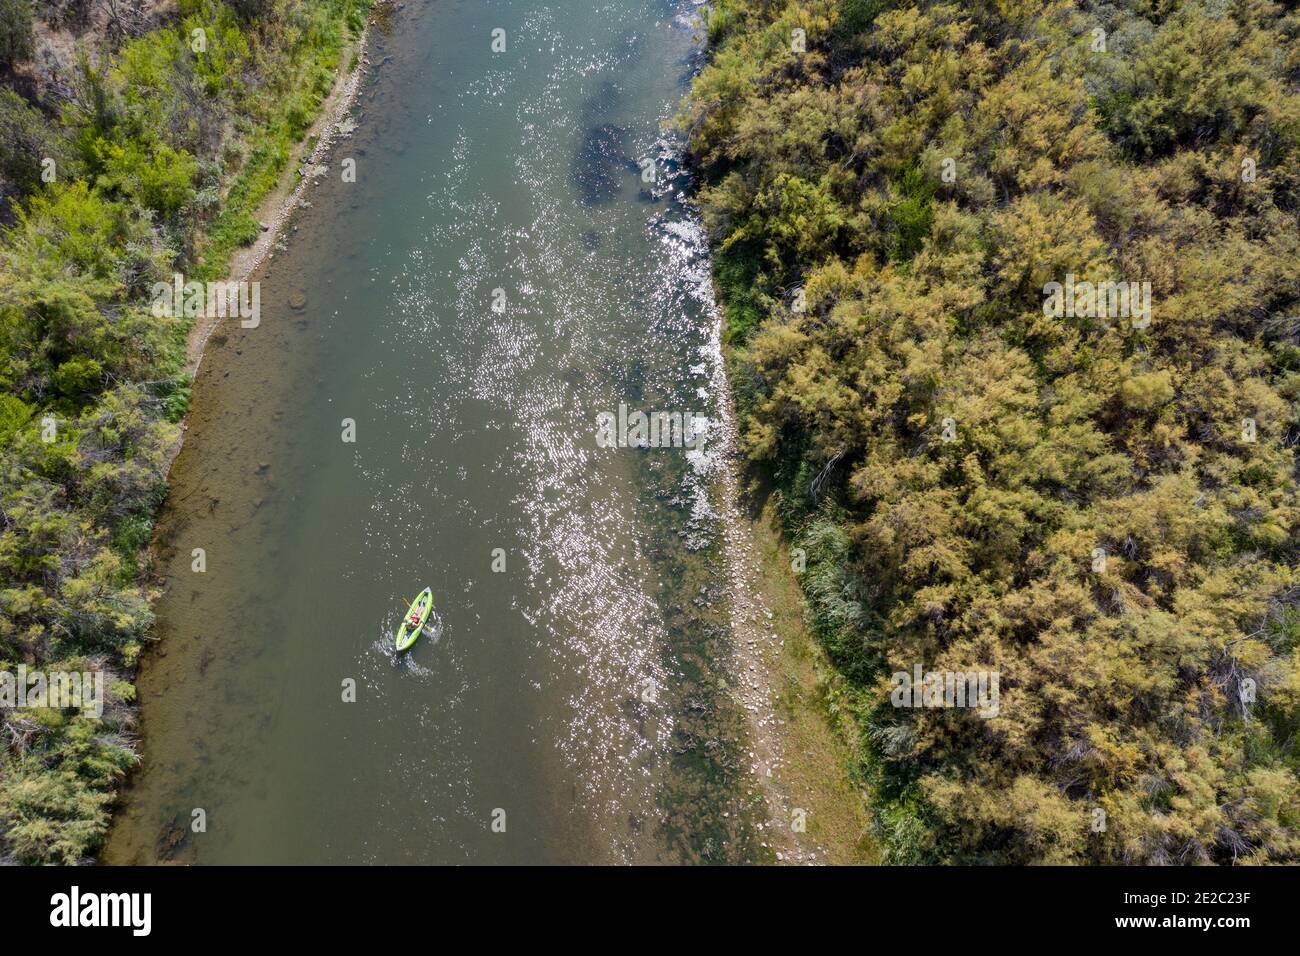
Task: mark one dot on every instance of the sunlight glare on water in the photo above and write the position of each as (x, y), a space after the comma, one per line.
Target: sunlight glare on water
(574, 692)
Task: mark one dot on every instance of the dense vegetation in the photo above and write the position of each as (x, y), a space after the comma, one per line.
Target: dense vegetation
(155, 151)
(1113, 525)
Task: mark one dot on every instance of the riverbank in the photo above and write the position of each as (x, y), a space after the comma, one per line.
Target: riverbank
(818, 739)
(800, 753)
(292, 182)
(187, 141)
(1070, 521)
(290, 186)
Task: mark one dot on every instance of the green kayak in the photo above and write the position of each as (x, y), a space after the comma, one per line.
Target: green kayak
(413, 622)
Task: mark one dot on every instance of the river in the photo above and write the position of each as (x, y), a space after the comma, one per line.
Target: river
(499, 274)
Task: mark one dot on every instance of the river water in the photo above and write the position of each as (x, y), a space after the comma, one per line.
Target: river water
(571, 702)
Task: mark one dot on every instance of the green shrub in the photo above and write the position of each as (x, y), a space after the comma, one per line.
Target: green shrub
(16, 40)
(1105, 515)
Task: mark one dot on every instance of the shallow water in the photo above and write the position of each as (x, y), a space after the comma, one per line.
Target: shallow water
(571, 707)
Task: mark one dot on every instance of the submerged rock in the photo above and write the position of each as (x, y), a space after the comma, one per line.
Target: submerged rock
(598, 163)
